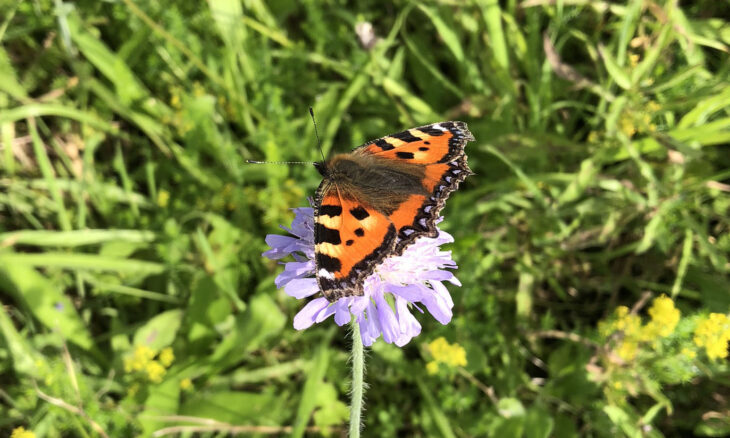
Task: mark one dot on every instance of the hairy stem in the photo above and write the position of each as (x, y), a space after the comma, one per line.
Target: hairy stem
(358, 383)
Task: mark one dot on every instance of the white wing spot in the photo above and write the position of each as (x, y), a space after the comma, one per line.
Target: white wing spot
(326, 274)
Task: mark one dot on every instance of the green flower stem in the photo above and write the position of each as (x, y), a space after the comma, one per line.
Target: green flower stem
(358, 383)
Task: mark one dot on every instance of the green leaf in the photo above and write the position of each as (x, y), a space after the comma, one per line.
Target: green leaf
(74, 238)
(417, 105)
(510, 407)
(623, 420)
(493, 20)
(583, 179)
(700, 114)
(160, 331)
(206, 308)
(309, 395)
(45, 300)
(23, 356)
(438, 416)
(128, 87)
(330, 410)
(446, 32)
(718, 426)
(163, 400)
(538, 423)
(228, 17)
(261, 321)
(510, 427)
(54, 109)
(614, 70)
(83, 262)
(237, 407)
(8, 79)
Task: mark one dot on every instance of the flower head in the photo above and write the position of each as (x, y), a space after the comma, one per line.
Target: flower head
(20, 432)
(713, 333)
(166, 357)
(452, 355)
(664, 317)
(398, 285)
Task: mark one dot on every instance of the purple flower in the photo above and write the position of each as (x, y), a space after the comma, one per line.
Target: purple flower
(411, 280)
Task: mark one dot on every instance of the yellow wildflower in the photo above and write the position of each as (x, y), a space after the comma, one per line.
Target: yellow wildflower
(633, 59)
(626, 322)
(664, 317)
(163, 197)
(653, 106)
(626, 125)
(20, 432)
(627, 351)
(713, 333)
(450, 354)
(166, 357)
(432, 367)
(139, 359)
(185, 383)
(155, 371)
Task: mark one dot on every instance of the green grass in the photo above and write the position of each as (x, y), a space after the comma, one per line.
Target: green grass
(128, 216)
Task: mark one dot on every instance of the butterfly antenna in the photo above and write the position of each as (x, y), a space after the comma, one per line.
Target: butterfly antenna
(278, 162)
(319, 143)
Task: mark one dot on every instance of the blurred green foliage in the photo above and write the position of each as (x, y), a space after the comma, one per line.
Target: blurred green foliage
(134, 297)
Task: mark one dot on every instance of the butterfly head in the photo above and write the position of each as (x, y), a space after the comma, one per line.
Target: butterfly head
(321, 167)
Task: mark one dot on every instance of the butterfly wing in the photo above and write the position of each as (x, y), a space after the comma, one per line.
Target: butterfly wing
(350, 239)
(439, 149)
(435, 143)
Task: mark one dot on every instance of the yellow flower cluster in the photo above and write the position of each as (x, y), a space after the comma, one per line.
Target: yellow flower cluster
(143, 360)
(632, 122)
(185, 383)
(452, 355)
(20, 432)
(713, 333)
(163, 198)
(664, 318)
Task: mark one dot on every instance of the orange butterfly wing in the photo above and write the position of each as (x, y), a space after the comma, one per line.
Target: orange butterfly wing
(435, 143)
(350, 240)
(439, 148)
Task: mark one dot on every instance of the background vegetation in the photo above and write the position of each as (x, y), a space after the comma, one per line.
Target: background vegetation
(135, 300)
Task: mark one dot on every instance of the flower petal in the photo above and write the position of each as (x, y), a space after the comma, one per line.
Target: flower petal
(408, 324)
(342, 312)
(441, 291)
(411, 293)
(436, 305)
(368, 331)
(293, 270)
(359, 304)
(437, 275)
(281, 246)
(308, 315)
(388, 322)
(302, 287)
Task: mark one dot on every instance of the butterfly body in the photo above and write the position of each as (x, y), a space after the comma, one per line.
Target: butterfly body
(378, 199)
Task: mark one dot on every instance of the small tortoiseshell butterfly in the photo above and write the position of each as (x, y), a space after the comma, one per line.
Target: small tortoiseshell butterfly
(381, 197)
